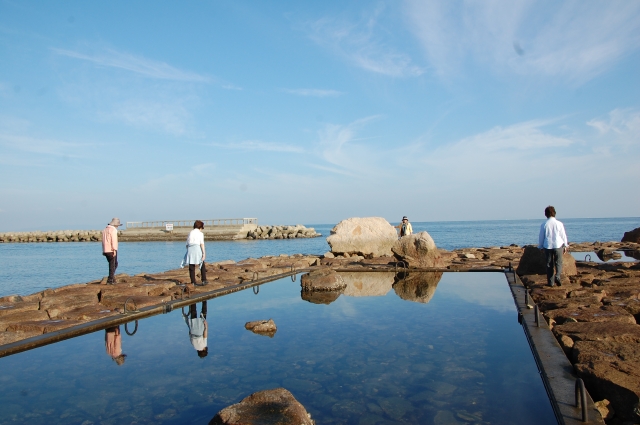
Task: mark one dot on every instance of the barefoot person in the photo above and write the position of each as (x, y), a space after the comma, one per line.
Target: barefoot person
(553, 240)
(110, 247)
(196, 253)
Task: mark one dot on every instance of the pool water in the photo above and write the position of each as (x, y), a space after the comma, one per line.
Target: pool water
(623, 256)
(447, 352)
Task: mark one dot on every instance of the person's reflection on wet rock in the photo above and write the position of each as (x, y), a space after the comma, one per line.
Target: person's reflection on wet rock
(198, 328)
(113, 344)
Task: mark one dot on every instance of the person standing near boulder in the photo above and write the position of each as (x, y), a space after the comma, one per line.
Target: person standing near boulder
(110, 247)
(196, 253)
(405, 227)
(553, 240)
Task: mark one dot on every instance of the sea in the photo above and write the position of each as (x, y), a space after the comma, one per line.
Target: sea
(26, 268)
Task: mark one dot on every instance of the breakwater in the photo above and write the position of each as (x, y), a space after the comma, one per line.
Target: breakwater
(223, 232)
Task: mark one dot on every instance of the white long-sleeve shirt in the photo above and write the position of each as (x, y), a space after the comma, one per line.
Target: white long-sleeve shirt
(552, 234)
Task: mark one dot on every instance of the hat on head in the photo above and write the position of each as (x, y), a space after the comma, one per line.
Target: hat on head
(405, 218)
(115, 222)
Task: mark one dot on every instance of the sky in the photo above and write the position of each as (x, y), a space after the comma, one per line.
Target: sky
(313, 112)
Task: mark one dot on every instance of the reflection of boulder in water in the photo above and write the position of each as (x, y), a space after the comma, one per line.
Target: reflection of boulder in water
(418, 287)
(367, 284)
(320, 297)
(608, 254)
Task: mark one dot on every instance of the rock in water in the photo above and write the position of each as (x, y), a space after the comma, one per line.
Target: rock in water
(262, 327)
(632, 236)
(418, 287)
(323, 279)
(368, 236)
(533, 261)
(276, 406)
(418, 250)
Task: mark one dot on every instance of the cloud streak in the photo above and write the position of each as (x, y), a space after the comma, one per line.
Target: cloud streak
(363, 45)
(314, 92)
(136, 64)
(259, 145)
(572, 39)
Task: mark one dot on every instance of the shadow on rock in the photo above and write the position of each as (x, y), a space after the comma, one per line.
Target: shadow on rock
(417, 287)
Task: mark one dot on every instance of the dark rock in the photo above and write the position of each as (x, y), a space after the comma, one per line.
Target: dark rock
(533, 262)
(418, 287)
(632, 236)
(268, 407)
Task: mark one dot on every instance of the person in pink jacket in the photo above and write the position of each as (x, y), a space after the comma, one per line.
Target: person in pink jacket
(110, 247)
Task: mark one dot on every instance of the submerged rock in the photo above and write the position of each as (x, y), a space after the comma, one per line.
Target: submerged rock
(368, 236)
(533, 261)
(418, 250)
(418, 287)
(269, 407)
(262, 327)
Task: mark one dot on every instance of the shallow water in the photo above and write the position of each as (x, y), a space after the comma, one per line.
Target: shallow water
(26, 268)
(461, 356)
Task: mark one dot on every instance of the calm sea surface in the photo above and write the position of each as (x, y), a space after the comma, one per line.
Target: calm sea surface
(370, 358)
(30, 267)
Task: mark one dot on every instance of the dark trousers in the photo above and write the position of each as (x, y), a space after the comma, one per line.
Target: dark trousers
(554, 259)
(193, 311)
(192, 272)
(112, 258)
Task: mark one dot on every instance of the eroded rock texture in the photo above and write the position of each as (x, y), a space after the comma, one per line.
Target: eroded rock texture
(368, 236)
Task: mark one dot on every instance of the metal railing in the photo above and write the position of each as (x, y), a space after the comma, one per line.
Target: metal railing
(189, 223)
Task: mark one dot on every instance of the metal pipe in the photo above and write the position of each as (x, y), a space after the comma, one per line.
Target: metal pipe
(135, 329)
(536, 312)
(581, 398)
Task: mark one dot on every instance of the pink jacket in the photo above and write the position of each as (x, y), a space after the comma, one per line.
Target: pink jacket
(109, 239)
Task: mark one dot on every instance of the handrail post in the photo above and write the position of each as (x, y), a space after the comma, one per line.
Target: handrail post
(581, 398)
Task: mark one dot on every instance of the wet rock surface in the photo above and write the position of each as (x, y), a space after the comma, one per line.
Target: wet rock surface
(277, 407)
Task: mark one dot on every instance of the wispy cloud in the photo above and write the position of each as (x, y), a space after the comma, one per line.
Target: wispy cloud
(259, 145)
(619, 129)
(314, 92)
(170, 117)
(40, 146)
(572, 39)
(137, 64)
(363, 45)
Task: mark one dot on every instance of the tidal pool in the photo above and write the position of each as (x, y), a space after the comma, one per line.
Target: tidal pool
(420, 350)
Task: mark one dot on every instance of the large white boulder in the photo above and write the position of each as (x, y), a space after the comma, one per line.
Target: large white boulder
(367, 236)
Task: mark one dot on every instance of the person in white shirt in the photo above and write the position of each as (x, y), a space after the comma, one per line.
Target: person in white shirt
(196, 253)
(553, 240)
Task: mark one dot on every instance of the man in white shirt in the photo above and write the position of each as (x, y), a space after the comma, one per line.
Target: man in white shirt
(553, 240)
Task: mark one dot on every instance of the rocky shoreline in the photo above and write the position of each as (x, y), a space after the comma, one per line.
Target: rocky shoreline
(594, 314)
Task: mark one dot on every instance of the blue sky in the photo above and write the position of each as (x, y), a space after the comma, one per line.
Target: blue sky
(312, 112)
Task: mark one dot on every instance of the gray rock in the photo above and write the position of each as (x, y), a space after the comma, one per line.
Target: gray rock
(418, 250)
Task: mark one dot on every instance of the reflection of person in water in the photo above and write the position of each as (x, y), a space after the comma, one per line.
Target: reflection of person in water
(198, 328)
(113, 344)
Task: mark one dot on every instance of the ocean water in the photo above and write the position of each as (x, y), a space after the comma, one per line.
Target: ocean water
(30, 267)
(460, 358)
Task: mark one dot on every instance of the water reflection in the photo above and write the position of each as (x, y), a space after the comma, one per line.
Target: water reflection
(417, 287)
(198, 327)
(605, 256)
(113, 344)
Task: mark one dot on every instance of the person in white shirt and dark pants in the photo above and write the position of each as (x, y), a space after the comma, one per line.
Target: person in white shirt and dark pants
(553, 240)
